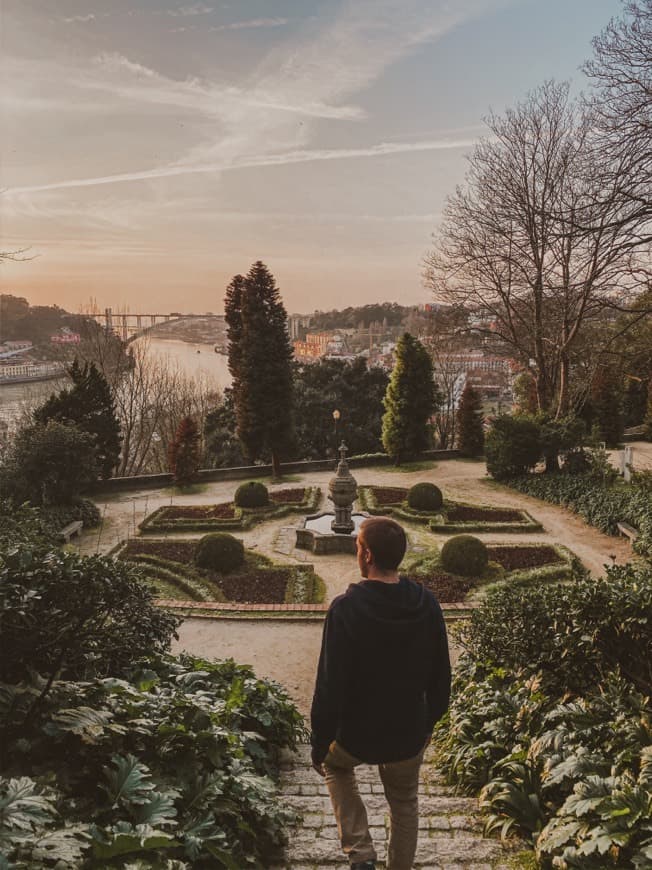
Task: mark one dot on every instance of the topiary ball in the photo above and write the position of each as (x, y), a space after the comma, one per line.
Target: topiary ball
(251, 495)
(425, 497)
(465, 555)
(219, 552)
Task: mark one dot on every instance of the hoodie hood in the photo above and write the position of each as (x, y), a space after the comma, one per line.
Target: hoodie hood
(397, 608)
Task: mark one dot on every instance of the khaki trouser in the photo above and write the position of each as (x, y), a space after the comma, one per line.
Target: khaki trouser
(401, 784)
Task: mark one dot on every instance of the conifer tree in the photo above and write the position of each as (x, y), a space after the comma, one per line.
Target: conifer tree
(260, 362)
(470, 432)
(410, 401)
(89, 406)
(183, 452)
(606, 405)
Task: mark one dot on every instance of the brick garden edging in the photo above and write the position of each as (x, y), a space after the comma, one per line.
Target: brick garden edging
(213, 609)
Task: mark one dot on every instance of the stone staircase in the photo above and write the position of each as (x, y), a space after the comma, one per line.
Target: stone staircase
(450, 829)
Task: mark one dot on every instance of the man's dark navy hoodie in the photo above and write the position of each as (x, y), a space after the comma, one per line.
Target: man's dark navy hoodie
(384, 672)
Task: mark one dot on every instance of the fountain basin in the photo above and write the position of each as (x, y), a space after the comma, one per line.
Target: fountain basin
(317, 535)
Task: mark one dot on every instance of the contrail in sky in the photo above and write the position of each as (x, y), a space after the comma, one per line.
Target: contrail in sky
(382, 149)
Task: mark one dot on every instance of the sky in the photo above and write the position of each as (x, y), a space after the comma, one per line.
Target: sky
(151, 149)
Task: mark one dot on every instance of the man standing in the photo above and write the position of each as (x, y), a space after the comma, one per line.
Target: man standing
(383, 681)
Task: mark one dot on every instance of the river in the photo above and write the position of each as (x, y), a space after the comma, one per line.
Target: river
(16, 400)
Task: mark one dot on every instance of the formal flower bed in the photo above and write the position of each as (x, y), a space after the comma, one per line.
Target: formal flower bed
(170, 566)
(452, 517)
(513, 564)
(226, 516)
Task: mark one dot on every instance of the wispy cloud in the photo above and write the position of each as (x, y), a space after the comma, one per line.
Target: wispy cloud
(251, 24)
(255, 124)
(382, 149)
(80, 18)
(191, 10)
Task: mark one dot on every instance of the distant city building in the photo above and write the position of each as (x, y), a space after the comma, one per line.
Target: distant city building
(315, 346)
(29, 371)
(14, 348)
(65, 336)
(17, 345)
(297, 323)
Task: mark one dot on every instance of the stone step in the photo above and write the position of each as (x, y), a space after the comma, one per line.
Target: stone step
(450, 826)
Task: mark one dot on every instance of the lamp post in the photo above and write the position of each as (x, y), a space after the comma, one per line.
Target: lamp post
(336, 422)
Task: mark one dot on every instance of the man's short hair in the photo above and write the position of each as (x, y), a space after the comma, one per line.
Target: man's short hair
(385, 540)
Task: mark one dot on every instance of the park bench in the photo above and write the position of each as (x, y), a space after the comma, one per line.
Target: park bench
(73, 528)
(627, 530)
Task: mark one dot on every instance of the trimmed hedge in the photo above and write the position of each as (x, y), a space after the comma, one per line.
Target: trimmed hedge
(527, 523)
(464, 555)
(437, 520)
(179, 576)
(303, 585)
(244, 518)
(220, 552)
(425, 497)
(252, 494)
(601, 506)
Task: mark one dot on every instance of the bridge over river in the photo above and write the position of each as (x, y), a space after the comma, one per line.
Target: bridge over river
(129, 326)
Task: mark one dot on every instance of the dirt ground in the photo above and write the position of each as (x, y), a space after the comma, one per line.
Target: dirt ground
(288, 651)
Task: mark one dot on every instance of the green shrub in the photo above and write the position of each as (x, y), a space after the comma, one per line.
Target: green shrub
(172, 766)
(220, 552)
(570, 634)
(512, 446)
(425, 497)
(251, 495)
(74, 616)
(465, 555)
(550, 718)
(599, 503)
(82, 509)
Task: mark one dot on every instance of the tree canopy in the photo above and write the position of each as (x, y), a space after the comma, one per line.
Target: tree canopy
(533, 245)
(410, 401)
(353, 389)
(89, 405)
(260, 361)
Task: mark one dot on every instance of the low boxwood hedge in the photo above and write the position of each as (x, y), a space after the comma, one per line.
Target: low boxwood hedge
(244, 518)
(438, 520)
(420, 566)
(190, 582)
(304, 586)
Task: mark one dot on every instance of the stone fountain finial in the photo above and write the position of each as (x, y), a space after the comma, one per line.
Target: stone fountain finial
(343, 490)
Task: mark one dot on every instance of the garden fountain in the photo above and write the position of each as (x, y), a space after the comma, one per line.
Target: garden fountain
(334, 532)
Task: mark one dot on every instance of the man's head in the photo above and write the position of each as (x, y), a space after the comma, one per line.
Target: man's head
(381, 546)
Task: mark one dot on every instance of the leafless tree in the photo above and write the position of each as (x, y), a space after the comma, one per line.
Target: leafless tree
(529, 248)
(152, 395)
(620, 104)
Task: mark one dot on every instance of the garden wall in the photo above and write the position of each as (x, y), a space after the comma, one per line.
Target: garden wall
(246, 472)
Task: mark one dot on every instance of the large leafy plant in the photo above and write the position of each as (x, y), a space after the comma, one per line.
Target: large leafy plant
(114, 754)
(173, 763)
(550, 718)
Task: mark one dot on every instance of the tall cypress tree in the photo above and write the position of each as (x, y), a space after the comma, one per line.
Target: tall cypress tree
(89, 405)
(183, 452)
(260, 362)
(410, 401)
(606, 404)
(470, 434)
